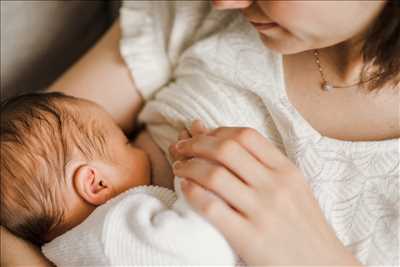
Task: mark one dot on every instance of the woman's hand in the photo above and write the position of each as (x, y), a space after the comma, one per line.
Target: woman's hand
(256, 197)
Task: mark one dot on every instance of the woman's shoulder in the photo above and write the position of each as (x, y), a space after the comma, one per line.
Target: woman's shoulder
(154, 34)
(233, 54)
(162, 41)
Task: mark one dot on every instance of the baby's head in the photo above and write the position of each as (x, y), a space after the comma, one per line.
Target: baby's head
(61, 157)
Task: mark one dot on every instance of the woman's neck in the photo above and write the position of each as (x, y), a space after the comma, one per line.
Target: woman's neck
(343, 63)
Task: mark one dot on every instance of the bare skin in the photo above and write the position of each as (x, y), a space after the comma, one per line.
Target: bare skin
(161, 172)
(225, 160)
(102, 76)
(343, 114)
(352, 114)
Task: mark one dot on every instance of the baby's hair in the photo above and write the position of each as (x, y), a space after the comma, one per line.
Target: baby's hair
(40, 133)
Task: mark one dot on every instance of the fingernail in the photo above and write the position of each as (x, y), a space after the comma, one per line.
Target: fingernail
(177, 164)
(171, 148)
(199, 123)
(180, 145)
(181, 135)
(184, 182)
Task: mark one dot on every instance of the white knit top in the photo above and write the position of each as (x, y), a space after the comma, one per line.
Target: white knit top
(191, 62)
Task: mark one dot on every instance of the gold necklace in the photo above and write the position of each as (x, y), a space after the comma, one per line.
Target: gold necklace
(327, 86)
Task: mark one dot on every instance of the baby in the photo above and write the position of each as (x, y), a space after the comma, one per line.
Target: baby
(69, 175)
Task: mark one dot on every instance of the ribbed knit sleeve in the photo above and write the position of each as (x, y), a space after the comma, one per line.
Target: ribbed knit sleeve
(146, 225)
(154, 36)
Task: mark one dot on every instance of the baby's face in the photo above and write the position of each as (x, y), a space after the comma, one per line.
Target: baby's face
(129, 166)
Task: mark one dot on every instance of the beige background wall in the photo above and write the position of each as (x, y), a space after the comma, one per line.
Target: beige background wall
(40, 39)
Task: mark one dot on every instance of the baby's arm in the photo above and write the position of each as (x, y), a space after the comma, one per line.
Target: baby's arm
(102, 76)
(146, 225)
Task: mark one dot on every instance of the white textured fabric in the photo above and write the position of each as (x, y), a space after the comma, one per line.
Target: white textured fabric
(146, 225)
(212, 65)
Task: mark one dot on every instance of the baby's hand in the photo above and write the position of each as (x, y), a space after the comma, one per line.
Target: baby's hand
(197, 128)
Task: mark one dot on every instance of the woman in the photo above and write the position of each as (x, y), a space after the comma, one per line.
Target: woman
(275, 221)
(333, 55)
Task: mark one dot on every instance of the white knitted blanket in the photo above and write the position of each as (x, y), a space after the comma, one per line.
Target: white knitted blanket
(147, 225)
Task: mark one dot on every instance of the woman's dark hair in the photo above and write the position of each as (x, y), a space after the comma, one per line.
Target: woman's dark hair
(381, 49)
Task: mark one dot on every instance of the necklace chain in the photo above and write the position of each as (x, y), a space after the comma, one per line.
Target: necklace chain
(327, 86)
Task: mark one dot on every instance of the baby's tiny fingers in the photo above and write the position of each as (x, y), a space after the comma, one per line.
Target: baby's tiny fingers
(175, 155)
(198, 128)
(184, 134)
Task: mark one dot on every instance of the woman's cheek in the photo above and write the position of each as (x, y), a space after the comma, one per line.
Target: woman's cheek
(301, 19)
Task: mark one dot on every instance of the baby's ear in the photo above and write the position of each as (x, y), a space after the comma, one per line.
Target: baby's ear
(91, 186)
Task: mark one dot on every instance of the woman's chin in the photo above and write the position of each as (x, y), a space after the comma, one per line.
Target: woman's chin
(284, 47)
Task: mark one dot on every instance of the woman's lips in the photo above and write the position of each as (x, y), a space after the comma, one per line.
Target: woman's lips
(264, 26)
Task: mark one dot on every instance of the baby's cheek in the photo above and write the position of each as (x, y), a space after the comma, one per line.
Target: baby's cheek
(132, 173)
(140, 169)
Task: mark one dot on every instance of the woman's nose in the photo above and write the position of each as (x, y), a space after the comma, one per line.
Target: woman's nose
(232, 4)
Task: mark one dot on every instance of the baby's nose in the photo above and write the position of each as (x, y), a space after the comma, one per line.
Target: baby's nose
(231, 4)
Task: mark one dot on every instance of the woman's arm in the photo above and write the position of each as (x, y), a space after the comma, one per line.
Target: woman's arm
(17, 252)
(102, 76)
